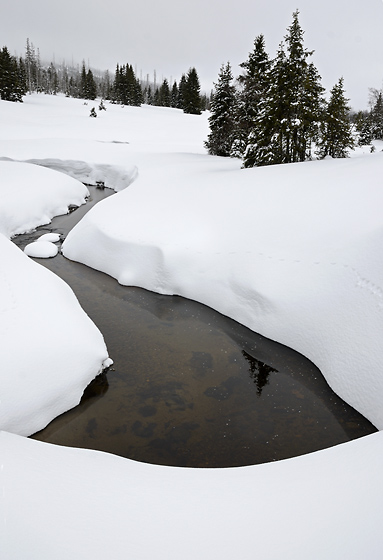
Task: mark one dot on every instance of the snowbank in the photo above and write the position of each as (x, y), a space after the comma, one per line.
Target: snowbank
(290, 251)
(73, 503)
(49, 348)
(31, 196)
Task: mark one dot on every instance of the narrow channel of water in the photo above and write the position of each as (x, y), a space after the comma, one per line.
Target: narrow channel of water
(190, 387)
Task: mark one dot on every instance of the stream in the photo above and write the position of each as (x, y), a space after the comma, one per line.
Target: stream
(190, 387)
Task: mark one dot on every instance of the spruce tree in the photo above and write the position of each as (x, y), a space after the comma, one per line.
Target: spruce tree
(290, 111)
(265, 140)
(174, 95)
(83, 82)
(191, 93)
(221, 120)
(181, 92)
(376, 118)
(303, 95)
(91, 88)
(336, 138)
(11, 85)
(363, 127)
(164, 94)
(253, 86)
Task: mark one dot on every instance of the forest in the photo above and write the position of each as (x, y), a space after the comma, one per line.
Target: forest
(19, 76)
(276, 111)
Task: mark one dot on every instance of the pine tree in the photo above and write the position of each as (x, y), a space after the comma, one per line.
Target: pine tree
(302, 93)
(376, 118)
(363, 127)
(221, 120)
(265, 140)
(181, 92)
(336, 137)
(191, 93)
(253, 83)
(164, 94)
(174, 95)
(83, 82)
(91, 88)
(126, 89)
(156, 97)
(290, 110)
(11, 85)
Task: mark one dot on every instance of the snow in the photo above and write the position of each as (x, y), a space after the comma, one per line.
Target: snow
(291, 251)
(24, 207)
(87, 504)
(50, 349)
(41, 249)
(52, 237)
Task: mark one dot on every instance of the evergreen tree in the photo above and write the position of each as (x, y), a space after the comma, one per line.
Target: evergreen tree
(376, 118)
(265, 140)
(174, 95)
(221, 120)
(290, 110)
(363, 127)
(253, 83)
(181, 92)
(126, 88)
(156, 97)
(191, 93)
(83, 82)
(91, 88)
(149, 96)
(164, 94)
(11, 86)
(336, 137)
(303, 96)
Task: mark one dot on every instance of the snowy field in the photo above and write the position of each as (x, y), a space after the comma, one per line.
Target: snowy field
(292, 252)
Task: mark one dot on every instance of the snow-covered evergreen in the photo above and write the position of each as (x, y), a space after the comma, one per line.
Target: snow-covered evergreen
(221, 120)
(336, 137)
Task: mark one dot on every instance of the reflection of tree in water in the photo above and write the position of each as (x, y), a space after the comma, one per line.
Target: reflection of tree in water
(259, 371)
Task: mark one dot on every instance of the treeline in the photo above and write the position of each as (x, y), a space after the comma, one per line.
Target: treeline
(276, 111)
(19, 76)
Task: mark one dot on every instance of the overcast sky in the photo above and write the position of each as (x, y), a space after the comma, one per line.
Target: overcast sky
(170, 36)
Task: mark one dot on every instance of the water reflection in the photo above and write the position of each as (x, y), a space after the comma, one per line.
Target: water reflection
(190, 387)
(258, 371)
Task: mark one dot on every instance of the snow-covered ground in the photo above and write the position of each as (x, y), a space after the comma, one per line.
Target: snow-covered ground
(290, 251)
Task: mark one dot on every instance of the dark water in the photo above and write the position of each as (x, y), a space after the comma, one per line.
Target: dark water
(190, 387)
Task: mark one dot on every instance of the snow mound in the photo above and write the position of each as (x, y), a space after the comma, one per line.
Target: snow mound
(290, 251)
(31, 196)
(52, 237)
(49, 348)
(41, 249)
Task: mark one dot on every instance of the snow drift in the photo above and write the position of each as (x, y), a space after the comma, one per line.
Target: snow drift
(50, 350)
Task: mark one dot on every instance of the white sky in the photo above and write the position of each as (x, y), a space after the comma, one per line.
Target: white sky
(172, 35)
